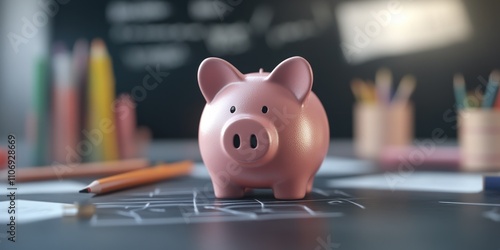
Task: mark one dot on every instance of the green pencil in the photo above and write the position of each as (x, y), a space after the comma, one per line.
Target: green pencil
(41, 113)
(460, 92)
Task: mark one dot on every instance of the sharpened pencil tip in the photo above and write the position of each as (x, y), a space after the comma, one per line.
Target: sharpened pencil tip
(98, 47)
(85, 190)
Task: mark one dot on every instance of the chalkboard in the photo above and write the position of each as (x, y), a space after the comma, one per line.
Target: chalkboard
(173, 37)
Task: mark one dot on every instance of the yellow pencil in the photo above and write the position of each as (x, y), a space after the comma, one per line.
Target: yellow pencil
(101, 120)
(357, 89)
(371, 92)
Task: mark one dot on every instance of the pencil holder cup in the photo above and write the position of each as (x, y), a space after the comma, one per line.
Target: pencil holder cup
(479, 139)
(377, 126)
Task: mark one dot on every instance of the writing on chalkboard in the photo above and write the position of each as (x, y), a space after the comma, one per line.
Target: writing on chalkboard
(149, 36)
(193, 206)
(492, 214)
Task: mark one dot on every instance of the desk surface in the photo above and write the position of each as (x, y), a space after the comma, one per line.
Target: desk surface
(183, 214)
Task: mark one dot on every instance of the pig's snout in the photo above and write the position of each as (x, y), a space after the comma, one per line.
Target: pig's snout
(248, 139)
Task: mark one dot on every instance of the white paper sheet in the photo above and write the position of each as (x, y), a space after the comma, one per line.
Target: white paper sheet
(46, 187)
(31, 211)
(415, 181)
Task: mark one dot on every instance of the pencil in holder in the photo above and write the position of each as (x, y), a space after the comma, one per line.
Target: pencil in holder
(479, 139)
(377, 126)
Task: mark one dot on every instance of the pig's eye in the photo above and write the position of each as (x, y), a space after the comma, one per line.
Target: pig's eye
(264, 109)
(232, 109)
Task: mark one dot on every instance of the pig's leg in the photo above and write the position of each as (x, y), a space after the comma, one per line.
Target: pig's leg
(228, 191)
(310, 184)
(290, 190)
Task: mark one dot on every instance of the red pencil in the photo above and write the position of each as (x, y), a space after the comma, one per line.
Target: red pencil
(65, 108)
(497, 101)
(125, 117)
(3, 158)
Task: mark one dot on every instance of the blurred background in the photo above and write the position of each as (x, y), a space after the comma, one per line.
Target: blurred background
(342, 40)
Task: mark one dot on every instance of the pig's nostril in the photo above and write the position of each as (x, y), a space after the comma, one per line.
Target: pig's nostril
(236, 141)
(253, 141)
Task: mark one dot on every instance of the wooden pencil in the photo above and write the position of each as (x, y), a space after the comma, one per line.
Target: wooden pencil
(101, 95)
(64, 171)
(139, 177)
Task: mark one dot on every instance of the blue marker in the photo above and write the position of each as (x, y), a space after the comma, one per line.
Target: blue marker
(491, 182)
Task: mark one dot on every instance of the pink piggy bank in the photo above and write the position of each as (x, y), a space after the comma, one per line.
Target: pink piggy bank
(261, 130)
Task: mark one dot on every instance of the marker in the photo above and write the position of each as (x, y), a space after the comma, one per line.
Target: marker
(491, 182)
(460, 92)
(139, 177)
(491, 89)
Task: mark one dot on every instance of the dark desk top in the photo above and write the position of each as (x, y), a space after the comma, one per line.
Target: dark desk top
(183, 214)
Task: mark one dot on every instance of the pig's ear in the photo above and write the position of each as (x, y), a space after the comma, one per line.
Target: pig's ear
(294, 73)
(215, 73)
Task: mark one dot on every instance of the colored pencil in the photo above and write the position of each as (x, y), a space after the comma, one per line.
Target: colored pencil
(101, 97)
(126, 125)
(371, 92)
(79, 72)
(497, 101)
(90, 169)
(356, 87)
(473, 100)
(38, 121)
(491, 90)
(383, 83)
(65, 108)
(143, 137)
(460, 92)
(405, 89)
(139, 177)
(366, 92)
(3, 158)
